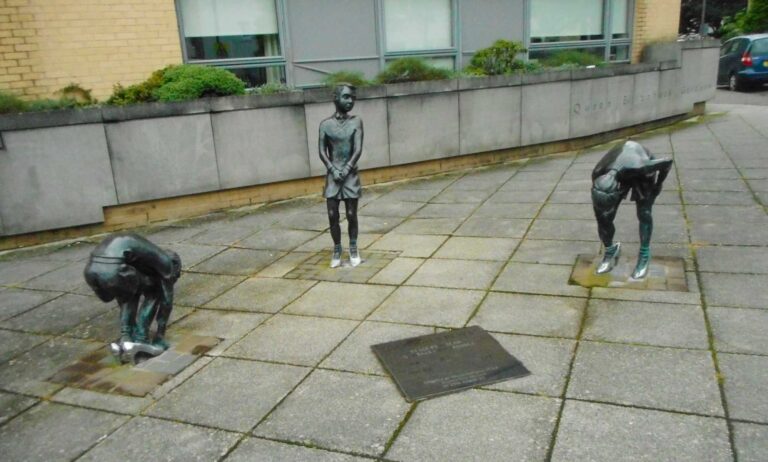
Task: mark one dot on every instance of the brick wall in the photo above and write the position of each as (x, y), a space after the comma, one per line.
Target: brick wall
(655, 21)
(47, 44)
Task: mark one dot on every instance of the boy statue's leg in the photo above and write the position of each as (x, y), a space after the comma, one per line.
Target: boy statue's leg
(350, 205)
(645, 219)
(606, 231)
(333, 218)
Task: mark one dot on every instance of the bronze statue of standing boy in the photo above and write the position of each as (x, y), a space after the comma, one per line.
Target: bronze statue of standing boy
(340, 145)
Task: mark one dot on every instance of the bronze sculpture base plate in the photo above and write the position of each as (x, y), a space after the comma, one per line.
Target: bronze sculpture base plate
(437, 364)
(664, 273)
(101, 371)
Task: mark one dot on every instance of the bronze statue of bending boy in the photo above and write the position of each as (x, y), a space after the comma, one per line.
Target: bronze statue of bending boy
(627, 167)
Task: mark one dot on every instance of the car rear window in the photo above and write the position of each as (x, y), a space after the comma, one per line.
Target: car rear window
(760, 47)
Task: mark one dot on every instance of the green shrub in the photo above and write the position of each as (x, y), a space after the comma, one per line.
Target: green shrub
(183, 83)
(76, 94)
(271, 88)
(52, 104)
(498, 59)
(10, 103)
(355, 78)
(411, 70)
(179, 83)
(139, 93)
(571, 58)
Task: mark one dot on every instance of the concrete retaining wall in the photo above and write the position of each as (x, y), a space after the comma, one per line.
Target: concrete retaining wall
(61, 169)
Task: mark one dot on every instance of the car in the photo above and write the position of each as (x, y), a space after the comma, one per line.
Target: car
(744, 62)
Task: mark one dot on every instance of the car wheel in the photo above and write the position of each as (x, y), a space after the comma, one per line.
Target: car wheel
(734, 83)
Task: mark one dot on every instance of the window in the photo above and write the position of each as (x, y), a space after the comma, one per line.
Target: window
(419, 28)
(598, 27)
(241, 35)
(556, 20)
(620, 19)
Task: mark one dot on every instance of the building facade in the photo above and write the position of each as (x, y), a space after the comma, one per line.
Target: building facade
(48, 44)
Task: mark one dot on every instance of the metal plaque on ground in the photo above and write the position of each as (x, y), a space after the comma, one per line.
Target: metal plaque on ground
(437, 364)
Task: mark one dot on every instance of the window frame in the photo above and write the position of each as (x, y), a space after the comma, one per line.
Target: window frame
(607, 42)
(454, 51)
(240, 63)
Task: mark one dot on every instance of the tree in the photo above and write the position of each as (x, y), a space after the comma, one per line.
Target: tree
(690, 13)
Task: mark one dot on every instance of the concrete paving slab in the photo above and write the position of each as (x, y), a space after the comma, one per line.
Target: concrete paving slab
(13, 344)
(222, 234)
(240, 262)
(119, 404)
(734, 233)
(564, 230)
(284, 265)
(198, 289)
(736, 290)
(547, 359)
(600, 432)
(553, 252)
(494, 227)
(537, 279)
(69, 431)
(305, 221)
(246, 391)
(339, 300)
(751, 441)
(357, 413)
(507, 210)
(397, 271)
(459, 274)
(227, 326)
(493, 424)
(266, 295)
(170, 234)
(428, 226)
(517, 196)
(733, 259)
(12, 405)
(531, 314)
(311, 339)
(429, 306)
(660, 378)
(568, 211)
(76, 251)
(162, 440)
(355, 354)
(658, 324)
(65, 279)
(325, 242)
(458, 196)
(253, 449)
(278, 239)
(460, 211)
(15, 272)
(704, 214)
(384, 208)
(476, 248)
(192, 254)
(718, 198)
(410, 245)
(59, 315)
(378, 225)
(14, 301)
(739, 330)
(410, 195)
(746, 385)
